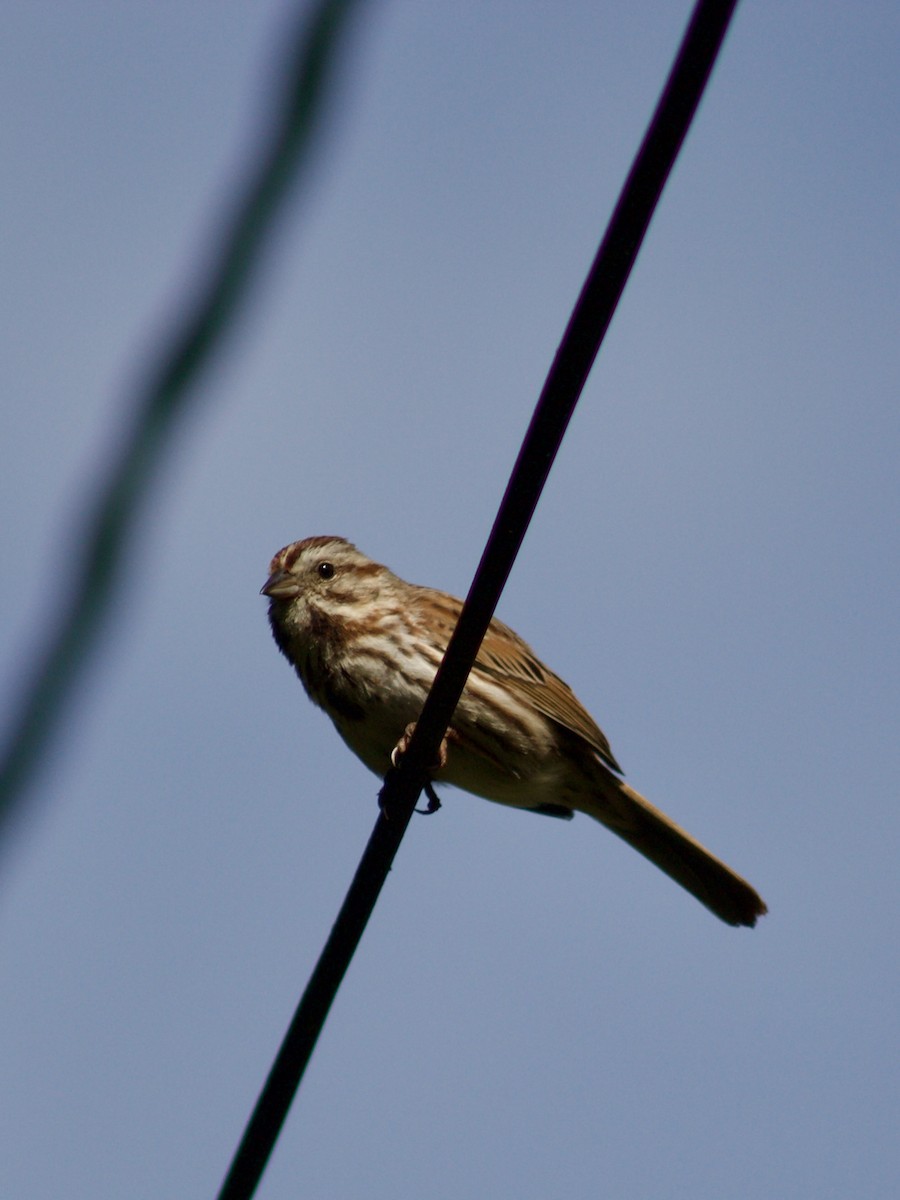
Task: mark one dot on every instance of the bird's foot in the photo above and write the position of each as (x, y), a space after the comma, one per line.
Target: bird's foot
(434, 802)
(400, 749)
(403, 745)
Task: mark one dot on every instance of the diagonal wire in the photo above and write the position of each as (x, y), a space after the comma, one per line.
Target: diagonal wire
(311, 59)
(574, 358)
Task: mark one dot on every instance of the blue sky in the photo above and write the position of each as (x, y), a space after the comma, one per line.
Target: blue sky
(535, 1012)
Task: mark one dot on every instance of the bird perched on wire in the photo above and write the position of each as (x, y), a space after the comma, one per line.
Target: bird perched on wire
(366, 646)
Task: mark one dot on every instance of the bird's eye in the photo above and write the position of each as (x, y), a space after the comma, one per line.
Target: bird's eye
(326, 570)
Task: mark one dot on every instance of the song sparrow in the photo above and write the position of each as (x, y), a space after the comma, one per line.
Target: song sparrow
(366, 646)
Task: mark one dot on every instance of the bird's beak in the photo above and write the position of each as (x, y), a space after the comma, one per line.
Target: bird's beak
(280, 585)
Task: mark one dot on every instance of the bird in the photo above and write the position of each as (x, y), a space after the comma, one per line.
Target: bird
(366, 646)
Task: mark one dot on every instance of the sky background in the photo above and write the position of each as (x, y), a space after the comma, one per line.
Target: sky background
(535, 1012)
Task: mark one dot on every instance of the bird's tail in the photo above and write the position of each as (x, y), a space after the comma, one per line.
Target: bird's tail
(626, 812)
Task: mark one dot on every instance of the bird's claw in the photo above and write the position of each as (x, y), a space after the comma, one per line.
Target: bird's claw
(433, 801)
(403, 745)
(400, 749)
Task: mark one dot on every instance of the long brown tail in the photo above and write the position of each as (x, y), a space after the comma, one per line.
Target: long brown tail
(626, 812)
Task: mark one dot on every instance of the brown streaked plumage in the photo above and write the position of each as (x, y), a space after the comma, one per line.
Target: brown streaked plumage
(366, 646)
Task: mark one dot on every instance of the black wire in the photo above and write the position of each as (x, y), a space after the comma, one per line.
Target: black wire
(574, 358)
(311, 58)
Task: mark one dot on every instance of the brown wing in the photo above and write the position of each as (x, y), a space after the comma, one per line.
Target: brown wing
(504, 656)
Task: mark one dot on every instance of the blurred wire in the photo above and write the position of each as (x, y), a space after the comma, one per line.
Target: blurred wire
(568, 373)
(311, 58)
